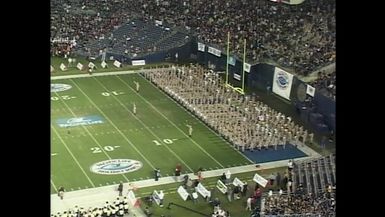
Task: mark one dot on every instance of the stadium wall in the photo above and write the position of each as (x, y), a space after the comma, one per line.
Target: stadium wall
(321, 117)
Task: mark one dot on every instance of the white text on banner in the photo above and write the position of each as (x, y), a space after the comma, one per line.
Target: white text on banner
(117, 63)
(214, 51)
(222, 187)
(203, 191)
(138, 62)
(183, 193)
(260, 180)
(237, 77)
(79, 66)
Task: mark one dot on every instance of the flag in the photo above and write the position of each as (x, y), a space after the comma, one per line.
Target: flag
(91, 65)
(79, 66)
(117, 63)
(232, 60)
(104, 64)
(63, 67)
(310, 90)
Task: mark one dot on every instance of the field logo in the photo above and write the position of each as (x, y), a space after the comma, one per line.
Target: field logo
(60, 87)
(79, 121)
(282, 80)
(116, 166)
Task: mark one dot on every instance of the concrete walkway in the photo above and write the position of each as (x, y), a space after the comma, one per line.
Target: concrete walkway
(96, 197)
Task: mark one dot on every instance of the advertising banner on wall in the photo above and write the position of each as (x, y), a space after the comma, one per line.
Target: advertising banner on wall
(214, 51)
(310, 90)
(282, 82)
(201, 47)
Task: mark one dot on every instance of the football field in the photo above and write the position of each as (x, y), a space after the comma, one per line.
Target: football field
(97, 140)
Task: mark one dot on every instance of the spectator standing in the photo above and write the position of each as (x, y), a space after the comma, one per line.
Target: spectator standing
(120, 188)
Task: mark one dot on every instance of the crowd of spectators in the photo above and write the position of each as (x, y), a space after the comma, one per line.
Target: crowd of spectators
(300, 37)
(295, 204)
(296, 199)
(326, 84)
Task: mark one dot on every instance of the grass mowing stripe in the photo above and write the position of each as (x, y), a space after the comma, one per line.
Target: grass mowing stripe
(152, 106)
(89, 133)
(145, 126)
(117, 129)
(53, 184)
(72, 155)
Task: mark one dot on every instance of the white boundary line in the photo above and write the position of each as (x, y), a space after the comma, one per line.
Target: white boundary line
(152, 106)
(89, 133)
(53, 184)
(86, 75)
(145, 126)
(77, 162)
(117, 129)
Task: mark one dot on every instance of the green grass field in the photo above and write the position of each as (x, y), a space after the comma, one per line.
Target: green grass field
(156, 136)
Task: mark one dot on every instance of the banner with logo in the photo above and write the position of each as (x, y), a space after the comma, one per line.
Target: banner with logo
(117, 63)
(260, 180)
(138, 62)
(103, 64)
(214, 51)
(237, 77)
(201, 47)
(232, 60)
(221, 187)
(238, 182)
(310, 90)
(182, 193)
(246, 67)
(282, 83)
(79, 66)
(79, 121)
(203, 191)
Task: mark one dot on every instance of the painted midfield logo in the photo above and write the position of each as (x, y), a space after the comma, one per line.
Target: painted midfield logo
(86, 120)
(60, 87)
(116, 166)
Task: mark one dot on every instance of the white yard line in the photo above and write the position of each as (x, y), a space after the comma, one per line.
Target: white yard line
(53, 184)
(86, 75)
(145, 126)
(76, 161)
(152, 106)
(89, 133)
(204, 124)
(117, 129)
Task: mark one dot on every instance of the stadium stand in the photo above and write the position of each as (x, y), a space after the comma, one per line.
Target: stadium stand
(326, 84)
(312, 191)
(301, 38)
